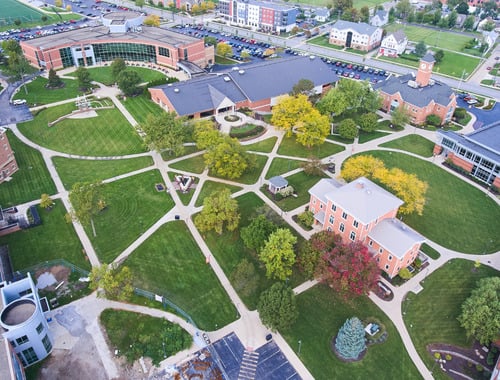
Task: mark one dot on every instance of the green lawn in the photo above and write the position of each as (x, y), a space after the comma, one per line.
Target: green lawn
(184, 197)
(194, 164)
(38, 94)
(433, 312)
(413, 144)
(264, 146)
(209, 187)
(134, 205)
(301, 183)
(140, 107)
(450, 199)
(289, 147)
(281, 166)
(103, 74)
(339, 139)
(30, 181)
(54, 239)
(73, 170)
(429, 251)
(369, 136)
(111, 133)
(178, 271)
(188, 149)
(251, 176)
(321, 314)
(323, 41)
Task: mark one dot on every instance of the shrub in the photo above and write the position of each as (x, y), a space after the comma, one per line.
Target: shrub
(460, 113)
(306, 218)
(448, 357)
(405, 274)
(287, 191)
(417, 263)
(479, 368)
(433, 120)
(437, 355)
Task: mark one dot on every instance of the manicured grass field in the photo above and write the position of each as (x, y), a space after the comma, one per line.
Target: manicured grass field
(264, 146)
(30, 181)
(184, 197)
(73, 170)
(449, 198)
(103, 74)
(134, 205)
(321, 314)
(178, 271)
(289, 147)
(323, 41)
(301, 182)
(280, 166)
(111, 133)
(412, 143)
(188, 149)
(369, 136)
(53, 239)
(339, 139)
(140, 107)
(434, 311)
(11, 10)
(38, 94)
(194, 164)
(209, 187)
(429, 251)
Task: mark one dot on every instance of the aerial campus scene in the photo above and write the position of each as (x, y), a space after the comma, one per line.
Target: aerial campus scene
(244, 189)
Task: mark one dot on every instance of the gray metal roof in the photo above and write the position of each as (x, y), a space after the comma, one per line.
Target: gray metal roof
(361, 27)
(429, 57)
(395, 236)
(399, 35)
(325, 12)
(278, 181)
(364, 200)
(323, 187)
(439, 92)
(275, 6)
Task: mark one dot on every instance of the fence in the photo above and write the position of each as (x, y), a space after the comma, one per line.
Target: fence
(33, 269)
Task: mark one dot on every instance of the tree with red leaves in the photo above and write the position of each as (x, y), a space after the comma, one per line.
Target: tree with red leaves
(349, 269)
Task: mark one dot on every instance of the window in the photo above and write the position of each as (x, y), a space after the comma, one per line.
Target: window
(380, 250)
(344, 215)
(331, 219)
(164, 51)
(355, 224)
(334, 208)
(39, 328)
(321, 205)
(341, 227)
(47, 344)
(352, 236)
(12, 343)
(386, 266)
(390, 257)
(378, 259)
(30, 355)
(329, 229)
(370, 243)
(21, 340)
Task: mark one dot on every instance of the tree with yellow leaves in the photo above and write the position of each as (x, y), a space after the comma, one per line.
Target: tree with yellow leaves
(313, 129)
(152, 20)
(362, 166)
(223, 49)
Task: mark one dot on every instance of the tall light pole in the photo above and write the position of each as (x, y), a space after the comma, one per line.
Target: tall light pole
(300, 345)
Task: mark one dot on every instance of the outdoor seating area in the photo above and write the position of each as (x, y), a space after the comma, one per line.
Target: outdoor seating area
(372, 328)
(184, 183)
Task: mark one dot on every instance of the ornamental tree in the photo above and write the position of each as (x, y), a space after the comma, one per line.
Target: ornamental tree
(128, 82)
(86, 201)
(219, 211)
(350, 341)
(368, 122)
(277, 307)
(310, 251)
(255, 235)
(115, 282)
(278, 255)
(54, 80)
(223, 49)
(228, 158)
(165, 131)
(347, 129)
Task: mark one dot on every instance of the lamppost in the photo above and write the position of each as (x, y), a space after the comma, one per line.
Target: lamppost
(407, 302)
(464, 74)
(164, 352)
(300, 345)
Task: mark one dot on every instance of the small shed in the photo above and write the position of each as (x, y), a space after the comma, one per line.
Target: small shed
(277, 183)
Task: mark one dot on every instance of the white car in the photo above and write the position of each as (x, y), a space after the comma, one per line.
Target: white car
(19, 102)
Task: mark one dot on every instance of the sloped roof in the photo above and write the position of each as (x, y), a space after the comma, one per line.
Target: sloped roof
(439, 92)
(381, 14)
(361, 27)
(278, 181)
(429, 57)
(399, 35)
(325, 12)
(364, 200)
(323, 187)
(395, 236)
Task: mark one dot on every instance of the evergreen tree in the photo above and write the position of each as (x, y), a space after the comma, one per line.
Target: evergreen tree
(350, 341)
(54, 80)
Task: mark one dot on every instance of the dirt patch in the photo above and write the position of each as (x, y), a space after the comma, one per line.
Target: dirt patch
(60, 273)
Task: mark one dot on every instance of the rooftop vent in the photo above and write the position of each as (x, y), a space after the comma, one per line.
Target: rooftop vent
(359, 185)
(176, 90)
(227, 79)
(412, 74)
(431, 82)
(169, 85)
(236, 68)
(242, 72)
(311, 57)
(412, 84)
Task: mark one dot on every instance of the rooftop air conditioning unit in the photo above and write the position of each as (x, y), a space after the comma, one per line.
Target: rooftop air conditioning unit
(227, 79)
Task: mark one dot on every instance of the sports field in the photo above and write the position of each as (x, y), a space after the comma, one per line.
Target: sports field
(11, 10)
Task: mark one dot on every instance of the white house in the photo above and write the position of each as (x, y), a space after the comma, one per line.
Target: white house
(322, 14)
(380, 18)
(359, 36)
(393, 44)
(490, 38)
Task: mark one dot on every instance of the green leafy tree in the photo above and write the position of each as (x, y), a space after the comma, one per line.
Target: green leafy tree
(306, 218)
(17, 22)
(278, 254)
(46, 201)
(245, 278)
(368, 122)
(228, 158)
(452, 19)
(340, 5)
(420, 49)
(117, 66)
(205, 134)
(347, 129)
(115, 283)
(83, 78)
(277, 307)
(223, 49)
(313, 166)
(11, 46)
(333, 102)
(488, 26)
(438, 56)
(480, 315)
(463, 8)
(303, 86)
(403, 9)
(437, 17)
(255, 235)
(405, 274)
(469, 23)
(140, 3)
(400, 117)
(128, 82)
(364, 14)
(17, 65)
(209, 40)
(219, 211)
(54, 80)
(86, 201)
(433, 120)
(350, 340)
(165, 131)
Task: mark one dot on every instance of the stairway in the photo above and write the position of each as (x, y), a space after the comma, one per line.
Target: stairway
(248, 365)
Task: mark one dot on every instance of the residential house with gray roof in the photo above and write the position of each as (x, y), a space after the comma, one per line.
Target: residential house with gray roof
(380, 18)
(363, 211)
(393, 44)
(359, 36)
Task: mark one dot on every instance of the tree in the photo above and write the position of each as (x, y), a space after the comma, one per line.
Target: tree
(86, 201)
(115, 282)
(403, 8)
(365, 14)
(488, 26)
(469, 23)
(117, 67)
(255, 235)
(46, 201)
(303, 86)
(58, 3)
(405, 274)
(438, 56)
(350, 340)
(245, 54)
(290, 111)
(219, 211)
(462, 8)
(480, 315)
(277, 307)
(420, 49)
(209, 40)
(165, 131)
(400, 117)
(54, 80)
(152, 20)
(347, 129)
(312, 129)
(17, 65)
(228, 158)
(368, 122)
(223, 49)
(128, 82)
(205, 134)
(244, 278)
(452, 19)
(306, 218)
(140, 3)
(278, 255)
(433, 120)
(83, 78)
(17, 22)
(333, 102)
(362, 166)
(311, 250)
(349, 269)
(340, 5)
(313, 166)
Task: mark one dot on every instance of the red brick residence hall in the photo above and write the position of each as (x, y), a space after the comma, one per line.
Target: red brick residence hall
(419, 94)
(8, 164)
(477, 152)
(363, 211)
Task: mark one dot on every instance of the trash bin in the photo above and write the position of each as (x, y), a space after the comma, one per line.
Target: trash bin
(177, 217)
